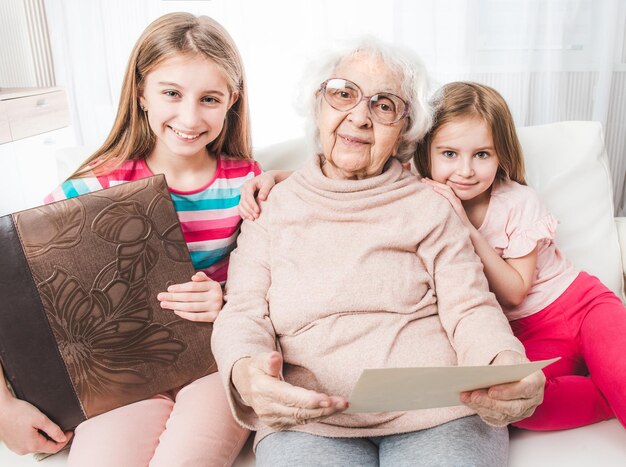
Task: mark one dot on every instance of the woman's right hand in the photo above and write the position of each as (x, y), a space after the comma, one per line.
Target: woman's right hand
(254, 191)
(279, 404)
(21, 427)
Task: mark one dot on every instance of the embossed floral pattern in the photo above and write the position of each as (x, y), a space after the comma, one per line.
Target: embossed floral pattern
(127, 225)
(104, 326)
(103, 333)
(57, 225)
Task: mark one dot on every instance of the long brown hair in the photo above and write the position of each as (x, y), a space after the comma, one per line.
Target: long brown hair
(172, 35)
(464, 99)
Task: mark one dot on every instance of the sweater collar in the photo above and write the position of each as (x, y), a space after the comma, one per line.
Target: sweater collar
(312, 173)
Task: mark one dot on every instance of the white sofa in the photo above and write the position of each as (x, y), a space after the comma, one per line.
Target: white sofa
(567, 165)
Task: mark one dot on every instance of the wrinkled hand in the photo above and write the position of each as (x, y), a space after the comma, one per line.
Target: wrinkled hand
(20, 423)
(455, 202)
(507, 403)
(279, 404)
(198, 300)
(254, 191)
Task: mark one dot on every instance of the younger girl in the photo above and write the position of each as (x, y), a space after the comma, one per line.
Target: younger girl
(473, 158)
(183, 112)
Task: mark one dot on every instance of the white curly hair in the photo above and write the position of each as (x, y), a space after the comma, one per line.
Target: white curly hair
(411, 74)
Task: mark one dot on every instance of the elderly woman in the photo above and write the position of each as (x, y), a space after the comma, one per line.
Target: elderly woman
(353, 264)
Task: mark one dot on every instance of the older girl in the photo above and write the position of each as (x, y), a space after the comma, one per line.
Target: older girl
(183, 112)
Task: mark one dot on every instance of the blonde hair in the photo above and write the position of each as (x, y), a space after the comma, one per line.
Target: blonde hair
(172, 35)
(464, 99)
(412, 79)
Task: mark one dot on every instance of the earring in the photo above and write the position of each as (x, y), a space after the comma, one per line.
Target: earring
(143, 107)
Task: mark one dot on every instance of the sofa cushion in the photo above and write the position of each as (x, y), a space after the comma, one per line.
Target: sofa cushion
(567, 165)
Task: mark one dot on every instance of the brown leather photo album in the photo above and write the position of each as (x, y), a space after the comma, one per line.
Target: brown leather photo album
(81, 330)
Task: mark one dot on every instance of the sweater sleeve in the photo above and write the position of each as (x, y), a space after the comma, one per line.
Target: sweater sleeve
(472, 318)
(243, 328)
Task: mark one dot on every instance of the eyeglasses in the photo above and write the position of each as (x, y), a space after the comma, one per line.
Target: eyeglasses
(344, 95)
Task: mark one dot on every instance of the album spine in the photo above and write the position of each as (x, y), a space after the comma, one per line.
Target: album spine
(30, 356)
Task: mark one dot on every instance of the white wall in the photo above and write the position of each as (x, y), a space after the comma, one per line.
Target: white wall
(551, 59)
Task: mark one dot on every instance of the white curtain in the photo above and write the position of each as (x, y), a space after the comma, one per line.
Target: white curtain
(551, 59)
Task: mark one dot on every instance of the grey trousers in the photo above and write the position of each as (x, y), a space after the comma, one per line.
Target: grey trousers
(466, 442)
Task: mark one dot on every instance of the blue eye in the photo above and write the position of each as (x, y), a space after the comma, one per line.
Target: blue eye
(481, 155)
(448, 154)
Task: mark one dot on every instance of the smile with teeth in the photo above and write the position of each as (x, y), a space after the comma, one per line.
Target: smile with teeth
(187, 136)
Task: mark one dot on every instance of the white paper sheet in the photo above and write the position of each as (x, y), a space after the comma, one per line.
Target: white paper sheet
(392, 389)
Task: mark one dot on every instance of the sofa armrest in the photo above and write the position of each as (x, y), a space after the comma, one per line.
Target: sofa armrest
(620, 224)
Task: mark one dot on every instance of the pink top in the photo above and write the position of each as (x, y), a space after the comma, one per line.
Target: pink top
(516, 222)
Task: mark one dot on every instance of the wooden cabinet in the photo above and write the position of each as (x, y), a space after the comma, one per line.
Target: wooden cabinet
(5, 131)
(34, 126)
(26, 112)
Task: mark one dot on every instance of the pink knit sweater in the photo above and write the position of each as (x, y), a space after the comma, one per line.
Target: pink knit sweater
(344, 275)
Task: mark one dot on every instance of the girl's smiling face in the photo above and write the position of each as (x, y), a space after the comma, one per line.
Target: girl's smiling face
(186, 100)
(462, 156)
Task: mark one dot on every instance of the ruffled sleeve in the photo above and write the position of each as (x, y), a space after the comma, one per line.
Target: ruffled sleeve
(528, 221)
(524, 240)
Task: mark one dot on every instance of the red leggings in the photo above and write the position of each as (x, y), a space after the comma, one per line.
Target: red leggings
(586, 327)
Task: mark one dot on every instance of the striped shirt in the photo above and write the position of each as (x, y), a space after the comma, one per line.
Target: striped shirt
(208, 216)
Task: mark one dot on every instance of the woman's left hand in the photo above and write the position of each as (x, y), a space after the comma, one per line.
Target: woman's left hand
(507, 403)
(198, 300)
(447, 192)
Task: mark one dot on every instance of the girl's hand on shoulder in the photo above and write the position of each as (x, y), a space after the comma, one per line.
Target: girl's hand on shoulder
(198, 300)
(507, 403)
(253, 192)
(447, 192)
(22, 428)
